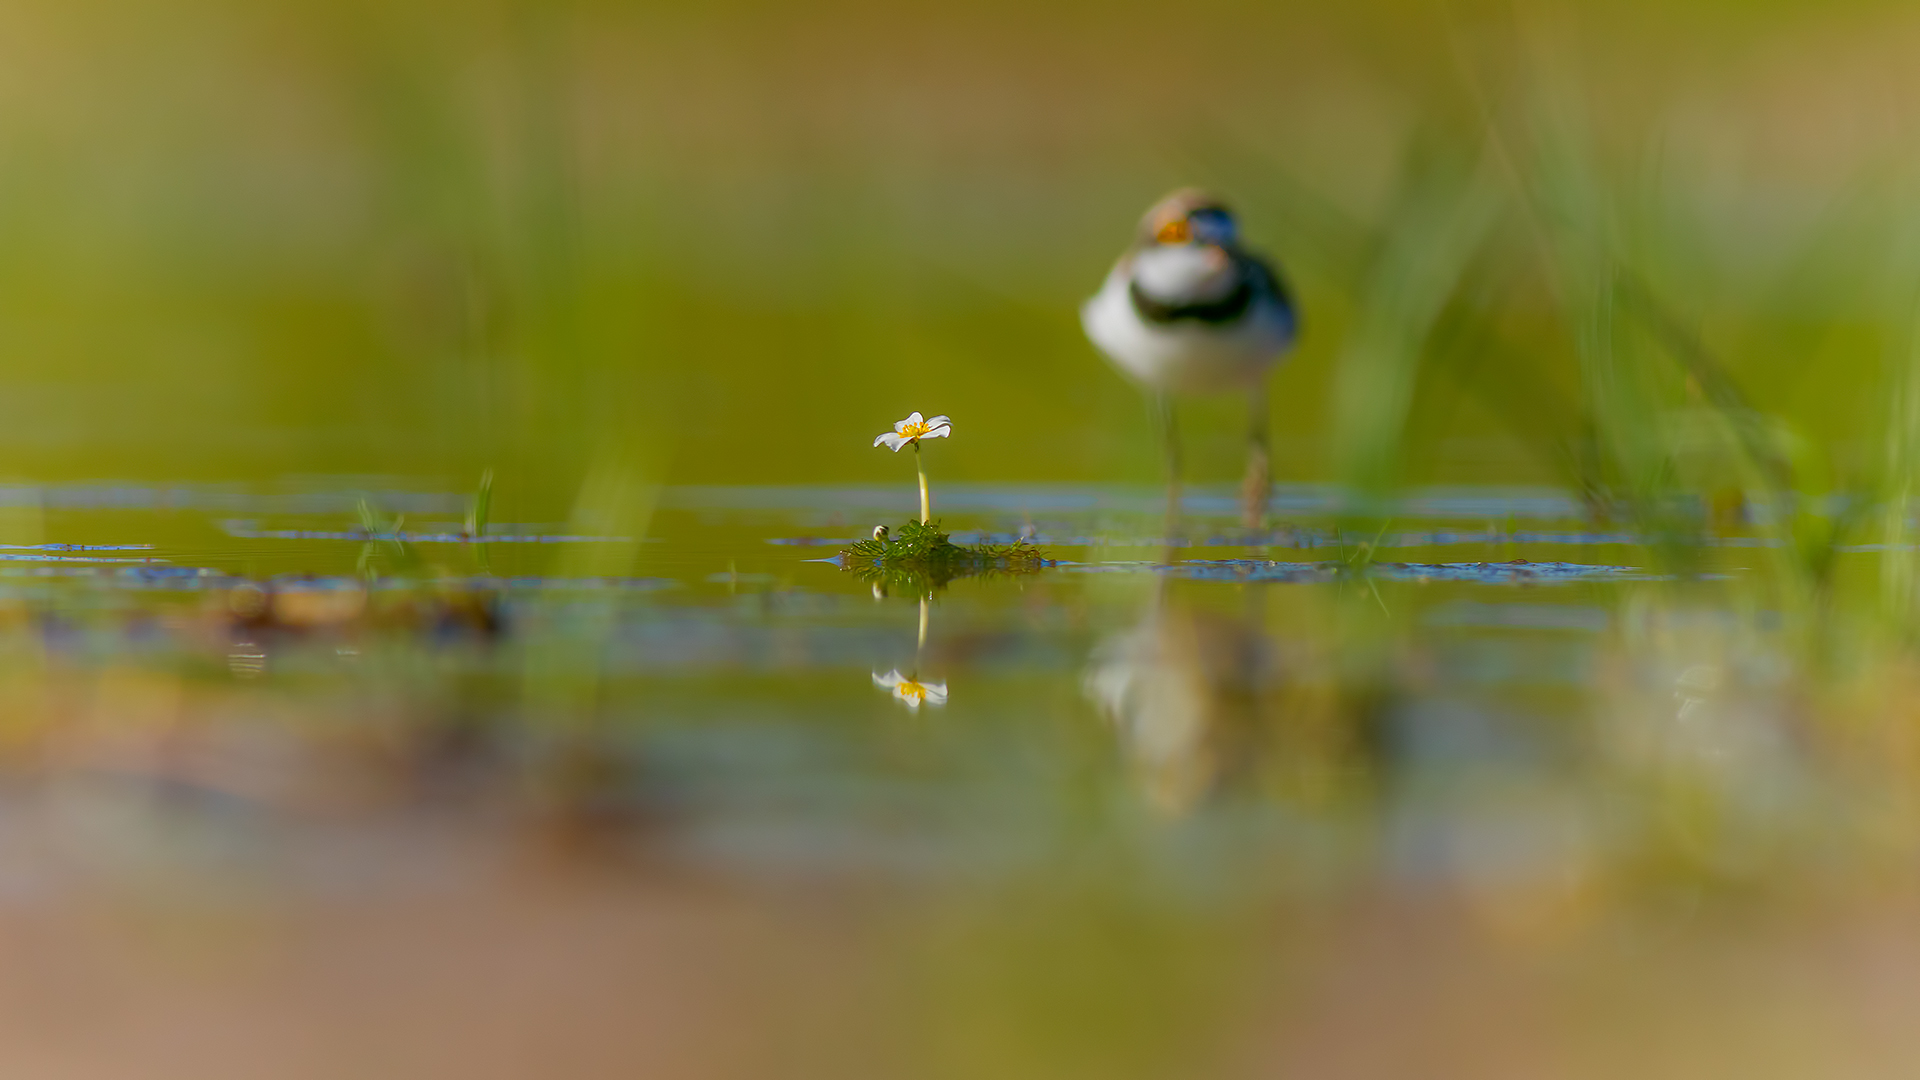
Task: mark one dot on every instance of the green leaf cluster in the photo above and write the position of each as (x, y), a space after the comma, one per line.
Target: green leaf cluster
(918, 556)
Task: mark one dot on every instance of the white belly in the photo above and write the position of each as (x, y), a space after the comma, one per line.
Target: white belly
(1185, 357)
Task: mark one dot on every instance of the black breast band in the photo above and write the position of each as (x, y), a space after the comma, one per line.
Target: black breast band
(1226, 309)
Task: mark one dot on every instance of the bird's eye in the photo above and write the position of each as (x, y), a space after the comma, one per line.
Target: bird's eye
(1176, 231)
(1212, 226)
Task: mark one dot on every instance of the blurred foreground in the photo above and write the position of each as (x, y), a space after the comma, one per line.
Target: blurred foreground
(1495, 800)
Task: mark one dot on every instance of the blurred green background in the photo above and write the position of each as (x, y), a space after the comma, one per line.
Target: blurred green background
(243, 240)
(1665, 254)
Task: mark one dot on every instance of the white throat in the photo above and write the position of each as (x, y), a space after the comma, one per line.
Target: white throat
(1184, 274)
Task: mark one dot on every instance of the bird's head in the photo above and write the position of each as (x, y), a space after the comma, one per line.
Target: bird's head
(1189, 216)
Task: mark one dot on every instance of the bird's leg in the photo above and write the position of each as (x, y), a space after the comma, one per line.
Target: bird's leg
(1259, 482)
(1170, 444)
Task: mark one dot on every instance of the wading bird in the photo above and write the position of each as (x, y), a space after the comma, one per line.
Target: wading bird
(1187, 310)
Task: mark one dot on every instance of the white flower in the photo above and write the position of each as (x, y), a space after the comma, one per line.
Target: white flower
(913, 429)
(910, 691)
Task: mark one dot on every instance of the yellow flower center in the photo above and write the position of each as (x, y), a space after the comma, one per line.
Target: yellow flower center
(912, 691)
(914, 431)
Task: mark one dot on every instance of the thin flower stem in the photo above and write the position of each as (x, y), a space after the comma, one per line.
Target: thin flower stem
(923, 633)
(926, 507)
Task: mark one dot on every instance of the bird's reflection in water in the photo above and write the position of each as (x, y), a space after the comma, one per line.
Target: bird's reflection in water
(1205, 700)
(1183, 689)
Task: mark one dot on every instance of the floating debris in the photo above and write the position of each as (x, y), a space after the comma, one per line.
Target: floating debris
(240, 531)
(1505, 573)
(76, 547)
(1516, 572)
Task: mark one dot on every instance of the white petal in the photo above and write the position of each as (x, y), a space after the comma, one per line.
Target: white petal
(911, 420)
(940, 432)
(891, 441)
(912, 700)
(936, 693)
(938, 420)
(890, 680)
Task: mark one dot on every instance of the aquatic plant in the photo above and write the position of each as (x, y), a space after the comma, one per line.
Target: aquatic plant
(384, 535)
(909, 432)
(479, 508)
(919, 556)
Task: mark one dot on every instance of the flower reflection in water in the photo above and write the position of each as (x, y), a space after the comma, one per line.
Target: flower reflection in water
(911, 690)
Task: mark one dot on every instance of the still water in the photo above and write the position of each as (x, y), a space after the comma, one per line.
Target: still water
(749, 704)
(1187, 774)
